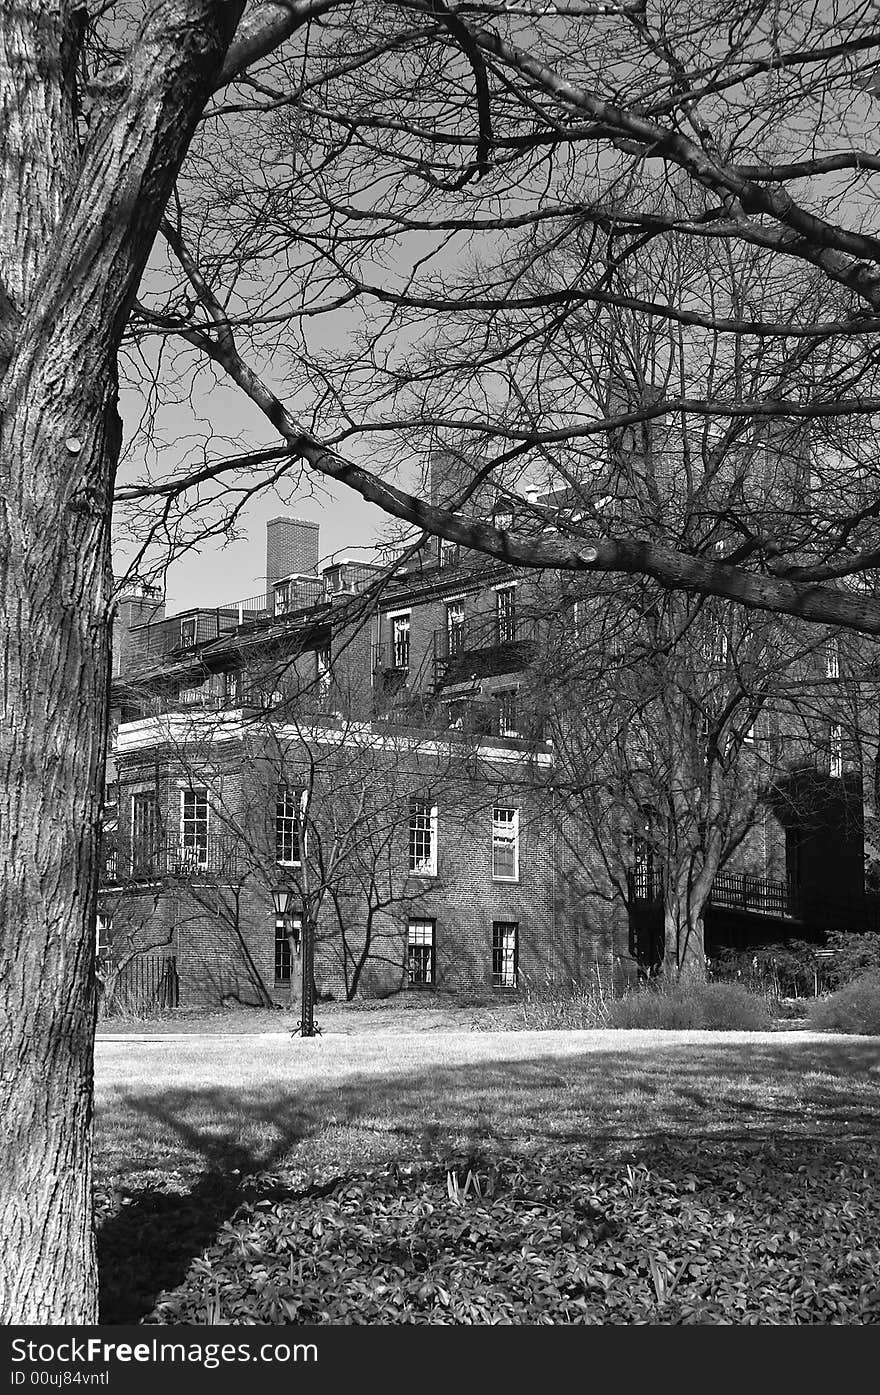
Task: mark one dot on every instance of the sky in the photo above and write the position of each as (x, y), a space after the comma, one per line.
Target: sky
(217, 571)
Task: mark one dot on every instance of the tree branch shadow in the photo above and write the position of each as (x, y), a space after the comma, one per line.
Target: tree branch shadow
(238, 1147)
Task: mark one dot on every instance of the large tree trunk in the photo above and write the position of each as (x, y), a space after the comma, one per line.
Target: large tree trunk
(76, 228)
(684, 948)
(55, 599)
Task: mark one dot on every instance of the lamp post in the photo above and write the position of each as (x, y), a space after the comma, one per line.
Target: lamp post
(299, 931)
(307, 1021)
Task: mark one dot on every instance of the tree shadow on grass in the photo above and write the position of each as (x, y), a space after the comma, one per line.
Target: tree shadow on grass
(215, 1148)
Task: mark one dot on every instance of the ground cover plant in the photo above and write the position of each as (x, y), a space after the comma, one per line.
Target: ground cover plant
(339, 1149)
(745, 1236)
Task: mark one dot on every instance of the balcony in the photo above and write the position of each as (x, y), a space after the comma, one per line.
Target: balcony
(214, 858)
(731, 891)
(483, 645)
(390, 665)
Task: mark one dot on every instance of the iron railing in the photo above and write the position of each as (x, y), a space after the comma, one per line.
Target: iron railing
(173, 857)
(735, 891)
(758, 895)
(146, 981)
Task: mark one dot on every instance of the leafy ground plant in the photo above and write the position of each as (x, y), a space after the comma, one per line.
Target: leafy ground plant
(680, 1235)
(853, 1008)
(721, 1006)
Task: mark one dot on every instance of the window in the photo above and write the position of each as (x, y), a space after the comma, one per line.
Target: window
(457, 713)
(144, 834)
(423, 838)
(400, 641)
(323, 671)
(507, 712)
(505, 845)
(289, 811)
(231, 681)
(188, 632)
(505, 953)
(195, 697)
(420, 948)
(832, 659)
(103, 934)
(194, 827)
(286, 927)
(450, 553)
(836, 770)
(454, 627)
(646, 880)
(505, 614)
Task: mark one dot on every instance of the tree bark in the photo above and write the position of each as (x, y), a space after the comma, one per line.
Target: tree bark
(684, 952)
(76, 231)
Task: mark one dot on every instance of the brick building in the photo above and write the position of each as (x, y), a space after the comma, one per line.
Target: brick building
(378, 747)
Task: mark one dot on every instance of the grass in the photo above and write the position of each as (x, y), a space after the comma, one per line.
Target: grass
(182, 1122)
(336, 1103)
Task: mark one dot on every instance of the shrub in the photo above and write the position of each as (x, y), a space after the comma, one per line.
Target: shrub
(853, 955)
(853, 1008)
(718, 1006)
(791, 970)
(555, 1009)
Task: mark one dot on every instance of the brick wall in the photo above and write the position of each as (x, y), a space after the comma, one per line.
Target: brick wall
(291, 546)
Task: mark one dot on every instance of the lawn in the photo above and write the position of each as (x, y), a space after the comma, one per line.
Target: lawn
(190, 1127)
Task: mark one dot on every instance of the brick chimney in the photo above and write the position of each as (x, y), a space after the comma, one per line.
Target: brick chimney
(138, 603)
(291, 546)
(449, 474)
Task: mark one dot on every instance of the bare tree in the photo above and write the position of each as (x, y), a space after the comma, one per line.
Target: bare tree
(669, 718)
(282, 152)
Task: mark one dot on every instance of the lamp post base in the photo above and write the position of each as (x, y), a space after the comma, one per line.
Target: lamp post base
(298, 1031)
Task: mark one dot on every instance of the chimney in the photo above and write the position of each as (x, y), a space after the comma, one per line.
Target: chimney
(138, 604)
(449, 474)
(291, 546)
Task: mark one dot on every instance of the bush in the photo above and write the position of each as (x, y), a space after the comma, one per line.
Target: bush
(554, 1009)
(791, 970)
(853, 1008)
(716, 1006)
(853, 955)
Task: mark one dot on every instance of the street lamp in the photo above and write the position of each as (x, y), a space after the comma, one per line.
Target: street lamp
(299, 932)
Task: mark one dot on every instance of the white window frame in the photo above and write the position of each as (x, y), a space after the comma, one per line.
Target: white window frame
(186, 851)
(507, 952)
(284, 957)
(504, 727)
(835, 768)
(505, 835)
(323, 670)
(299, 821)
(832, 658)
(103, 934)
(421, 810)
(509, 617)
(454, 626)
(422, 934)
(394, 619)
